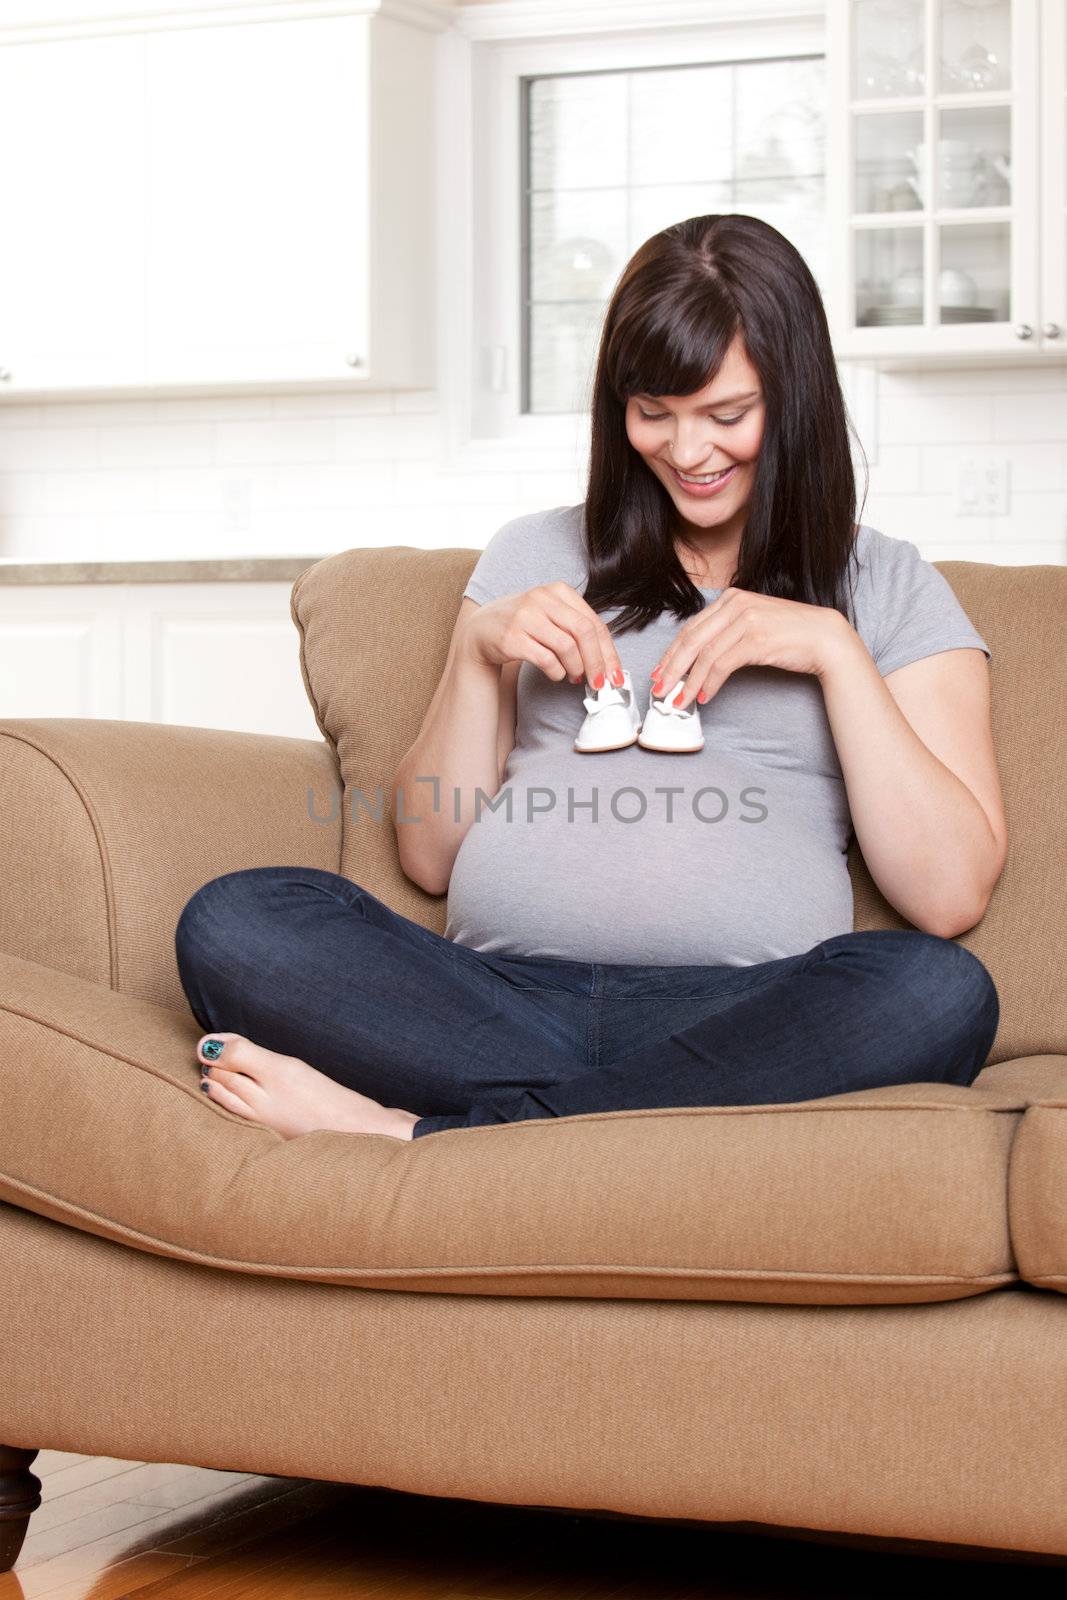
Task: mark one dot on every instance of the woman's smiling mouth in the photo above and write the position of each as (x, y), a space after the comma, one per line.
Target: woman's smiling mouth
(705, 484)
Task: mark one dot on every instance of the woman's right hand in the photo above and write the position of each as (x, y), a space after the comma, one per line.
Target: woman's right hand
(550, 626)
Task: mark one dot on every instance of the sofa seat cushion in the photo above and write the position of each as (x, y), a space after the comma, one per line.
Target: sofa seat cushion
(874, 1197)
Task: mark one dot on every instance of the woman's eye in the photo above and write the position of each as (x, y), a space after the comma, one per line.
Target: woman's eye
(660, 416)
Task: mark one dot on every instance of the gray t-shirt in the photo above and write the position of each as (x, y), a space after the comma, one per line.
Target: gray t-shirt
(731, 855)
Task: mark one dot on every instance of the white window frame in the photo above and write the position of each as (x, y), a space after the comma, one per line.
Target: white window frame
(485, 58)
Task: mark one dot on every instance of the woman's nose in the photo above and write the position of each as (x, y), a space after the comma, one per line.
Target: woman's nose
(690, 457)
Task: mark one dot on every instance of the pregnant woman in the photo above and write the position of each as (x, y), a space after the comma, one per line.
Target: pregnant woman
(666, 921)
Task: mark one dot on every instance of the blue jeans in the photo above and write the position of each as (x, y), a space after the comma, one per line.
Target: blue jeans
(308, 963)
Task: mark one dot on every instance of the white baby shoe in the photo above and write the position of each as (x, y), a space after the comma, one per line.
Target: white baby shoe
(669, 727)
(612, 718)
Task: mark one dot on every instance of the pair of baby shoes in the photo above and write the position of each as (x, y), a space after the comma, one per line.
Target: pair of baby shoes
(613, 721)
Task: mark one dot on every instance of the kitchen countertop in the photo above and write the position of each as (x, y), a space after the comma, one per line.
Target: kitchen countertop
(219, 569)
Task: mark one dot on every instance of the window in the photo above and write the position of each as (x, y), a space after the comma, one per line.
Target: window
(609, 158)
(560, 125)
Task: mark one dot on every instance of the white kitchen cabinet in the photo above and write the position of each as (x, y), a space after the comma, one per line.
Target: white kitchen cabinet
(220, 205)
(1054, 188)
(946, 120)
(72, 182)
(211, 655)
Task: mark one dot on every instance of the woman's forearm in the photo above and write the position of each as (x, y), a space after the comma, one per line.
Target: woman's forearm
(924, 836)
(454, 757)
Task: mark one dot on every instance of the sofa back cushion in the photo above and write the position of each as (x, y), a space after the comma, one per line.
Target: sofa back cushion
(375, 626)
(1021, 612)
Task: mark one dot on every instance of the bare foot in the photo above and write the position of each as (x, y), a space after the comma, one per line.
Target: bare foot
(289, 1095)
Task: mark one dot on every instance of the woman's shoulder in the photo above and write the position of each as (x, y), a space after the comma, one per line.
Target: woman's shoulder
(561, 522)
(536, 547)
(902, 606)
(873, 547)
(889, 566)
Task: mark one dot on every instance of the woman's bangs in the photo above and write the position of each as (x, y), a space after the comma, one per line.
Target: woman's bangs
(668, 350)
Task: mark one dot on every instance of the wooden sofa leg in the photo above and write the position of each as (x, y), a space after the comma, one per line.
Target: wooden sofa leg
(20, 1494)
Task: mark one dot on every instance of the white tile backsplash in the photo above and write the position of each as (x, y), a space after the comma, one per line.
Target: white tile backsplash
(314, 473)
(927, 423)
(895, 470)
(1031, 466)
(28, 444)
(153, 444)
(255, 442)
(1030, 416)
(920, 418)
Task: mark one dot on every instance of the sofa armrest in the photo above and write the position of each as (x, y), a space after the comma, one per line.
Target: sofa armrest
(107, 827)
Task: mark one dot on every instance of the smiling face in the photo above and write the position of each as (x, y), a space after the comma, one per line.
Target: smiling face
(714, 435)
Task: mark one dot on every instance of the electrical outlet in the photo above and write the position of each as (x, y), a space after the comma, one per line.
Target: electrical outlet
(982, 486)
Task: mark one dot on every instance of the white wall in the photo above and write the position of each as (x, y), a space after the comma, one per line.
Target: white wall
(263, 475)
(312, 474)
(927, 422)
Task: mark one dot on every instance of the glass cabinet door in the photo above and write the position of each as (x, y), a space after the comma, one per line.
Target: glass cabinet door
(1054, 168)
(941, 173)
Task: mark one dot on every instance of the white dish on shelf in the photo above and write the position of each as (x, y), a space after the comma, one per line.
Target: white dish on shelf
(957, 288)
(911, 316)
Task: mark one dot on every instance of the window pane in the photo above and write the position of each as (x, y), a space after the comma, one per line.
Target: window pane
(614, 157)
(781, 127)
(681, 125)
(577, 243)
(659, 204)
(577, 131)
(564, 343)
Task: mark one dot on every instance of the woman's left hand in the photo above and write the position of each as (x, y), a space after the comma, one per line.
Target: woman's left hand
(743, 629)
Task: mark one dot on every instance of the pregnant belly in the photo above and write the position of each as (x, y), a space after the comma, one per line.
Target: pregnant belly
(725, 873)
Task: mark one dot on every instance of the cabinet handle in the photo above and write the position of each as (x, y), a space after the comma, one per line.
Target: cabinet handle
(1024, 330)
(1051, 330)
(5, 374)
(354, 361)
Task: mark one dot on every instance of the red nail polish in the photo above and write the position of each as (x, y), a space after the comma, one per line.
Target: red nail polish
(702, 697)
(678, 698)
(616, 677)
(598, 681)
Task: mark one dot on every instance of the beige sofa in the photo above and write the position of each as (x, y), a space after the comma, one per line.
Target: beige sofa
(844, 1318)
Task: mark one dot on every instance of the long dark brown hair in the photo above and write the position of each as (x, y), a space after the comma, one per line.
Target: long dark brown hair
(674, 312)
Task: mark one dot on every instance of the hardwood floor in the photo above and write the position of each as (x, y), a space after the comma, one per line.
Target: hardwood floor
(107, 1529)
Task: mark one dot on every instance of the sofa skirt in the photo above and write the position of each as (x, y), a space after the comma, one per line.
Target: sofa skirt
(934, 1422)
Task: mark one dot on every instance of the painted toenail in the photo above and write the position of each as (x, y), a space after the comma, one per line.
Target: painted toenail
(205, 1084)
(213, 1048)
